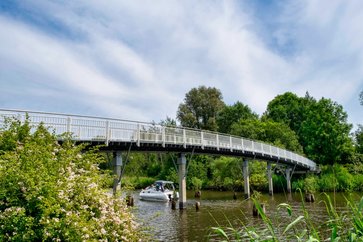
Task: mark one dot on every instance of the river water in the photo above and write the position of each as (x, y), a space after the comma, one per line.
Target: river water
(220, 209)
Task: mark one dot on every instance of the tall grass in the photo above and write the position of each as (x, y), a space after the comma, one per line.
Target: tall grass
(339, 226)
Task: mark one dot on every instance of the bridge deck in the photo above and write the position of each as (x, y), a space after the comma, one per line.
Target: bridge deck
(120, 134)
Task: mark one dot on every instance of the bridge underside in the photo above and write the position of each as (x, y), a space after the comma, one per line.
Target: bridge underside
(172, 148)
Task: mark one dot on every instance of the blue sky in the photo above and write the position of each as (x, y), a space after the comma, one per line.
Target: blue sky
(137, 59)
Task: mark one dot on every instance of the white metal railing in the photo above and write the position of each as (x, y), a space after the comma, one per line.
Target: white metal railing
(87, 128)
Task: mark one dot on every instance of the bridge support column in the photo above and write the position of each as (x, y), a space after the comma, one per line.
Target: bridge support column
(182, 161)
(288, 179)
(117, 159)
(246, 178)
(269, 177)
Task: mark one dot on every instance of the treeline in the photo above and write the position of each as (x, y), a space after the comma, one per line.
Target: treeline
(315, 128)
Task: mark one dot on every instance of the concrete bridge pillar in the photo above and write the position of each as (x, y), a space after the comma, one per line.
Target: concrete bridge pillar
(246, 178)
(117, 160)
(269, 177)
(182, 161)
(288, 179)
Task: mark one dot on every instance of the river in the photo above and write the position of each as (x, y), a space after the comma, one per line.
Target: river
(220, 209)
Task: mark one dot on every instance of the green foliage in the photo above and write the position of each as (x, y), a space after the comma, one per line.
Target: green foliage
(258, 178)
(54, 192)
(232, 114)
(321, 126)
(275, 133)
(198, 168)
(358, 135)
(226, 174)
(169, 122)
(287, 108)
(137, 182)
(172, 176)
(325, 133)
(196, 183)
(310, 184)
(200, 107)
(16, 134)
(340, 178)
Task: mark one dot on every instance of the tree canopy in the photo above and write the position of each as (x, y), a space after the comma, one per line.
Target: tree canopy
(232, 114)
(200, 108)
(287, 108)
(321, 126)
(361, 98)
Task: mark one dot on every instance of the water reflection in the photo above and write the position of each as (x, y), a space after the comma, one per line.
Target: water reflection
(220, 209)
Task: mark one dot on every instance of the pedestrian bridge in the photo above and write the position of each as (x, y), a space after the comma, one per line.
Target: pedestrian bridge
(119, 134)
(125, 135)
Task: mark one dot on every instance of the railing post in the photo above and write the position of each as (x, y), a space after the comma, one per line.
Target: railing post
(271, 151)
(217, 139)
(202, 139)
(184, 139)
(138, 134)
(278, 153)
(230, 143)
(163, 136)
(107, 132)
(69, 125)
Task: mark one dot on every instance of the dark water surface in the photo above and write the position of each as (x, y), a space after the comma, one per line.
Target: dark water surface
(219, 209)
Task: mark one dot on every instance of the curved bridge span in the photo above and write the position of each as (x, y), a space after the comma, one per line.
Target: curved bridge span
(125, 135)
(119, 134)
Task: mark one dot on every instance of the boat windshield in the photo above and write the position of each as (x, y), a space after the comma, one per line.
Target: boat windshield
(159, 185)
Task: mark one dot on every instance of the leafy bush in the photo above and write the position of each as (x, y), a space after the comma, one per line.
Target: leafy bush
(50, 191)
(196, 183)
(310, 184)
(328, 183)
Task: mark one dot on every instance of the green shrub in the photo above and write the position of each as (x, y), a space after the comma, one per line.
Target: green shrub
(358, 182)
(196, 183)
(310, 184)
(54, 192)
(327, 183)
(298, 185)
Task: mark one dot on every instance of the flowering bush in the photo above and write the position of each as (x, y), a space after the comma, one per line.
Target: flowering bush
(53, 192)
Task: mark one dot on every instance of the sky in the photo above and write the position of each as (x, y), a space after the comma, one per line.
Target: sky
(136, 60)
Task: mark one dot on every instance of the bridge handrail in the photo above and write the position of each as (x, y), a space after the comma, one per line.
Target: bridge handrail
(90, 128)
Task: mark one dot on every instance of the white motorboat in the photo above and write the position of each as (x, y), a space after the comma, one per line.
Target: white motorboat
(159, 191)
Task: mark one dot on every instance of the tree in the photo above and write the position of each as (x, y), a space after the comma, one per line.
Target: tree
(359, 139)
(275, 133)
(287, 108)
(169, 122)
(361, 98)
(325, 133)
(321, 126)
(55, 192)
(232, 114)
(200, 108)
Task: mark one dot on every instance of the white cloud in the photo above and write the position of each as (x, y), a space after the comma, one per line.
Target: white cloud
(133, 60)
